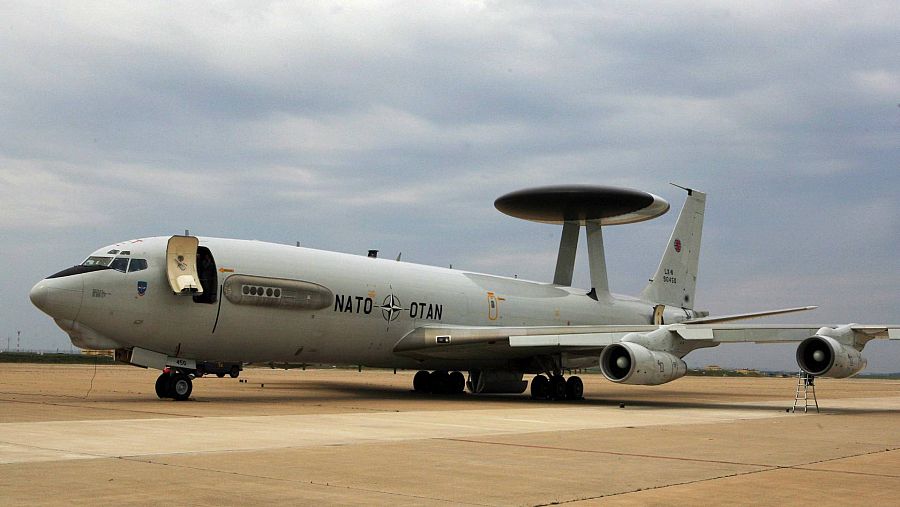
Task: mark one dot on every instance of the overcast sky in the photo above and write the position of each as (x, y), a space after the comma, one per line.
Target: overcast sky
(395, 125)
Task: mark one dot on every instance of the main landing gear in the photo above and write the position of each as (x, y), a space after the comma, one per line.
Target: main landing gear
(557, 387)
(174, 384)
(439, 382)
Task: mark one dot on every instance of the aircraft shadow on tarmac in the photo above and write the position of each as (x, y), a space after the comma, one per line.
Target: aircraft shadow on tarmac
(330, 391)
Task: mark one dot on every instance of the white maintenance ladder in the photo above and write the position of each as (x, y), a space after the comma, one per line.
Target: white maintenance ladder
(806, 392)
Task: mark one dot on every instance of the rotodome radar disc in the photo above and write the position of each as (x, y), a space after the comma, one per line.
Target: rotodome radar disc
(582, 204)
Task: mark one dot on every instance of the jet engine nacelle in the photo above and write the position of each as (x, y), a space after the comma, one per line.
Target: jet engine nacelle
(630, 363)
(823, 356)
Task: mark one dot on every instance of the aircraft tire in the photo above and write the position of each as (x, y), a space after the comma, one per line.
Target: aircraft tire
(181, 387)
(422, 381)
(162, 386)
(235, 372)
(457, 383)
(574, 388)
(440, 382)
(557, 387)
(540, 387)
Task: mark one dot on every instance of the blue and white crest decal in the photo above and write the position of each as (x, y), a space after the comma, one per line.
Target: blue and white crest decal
(142, 288)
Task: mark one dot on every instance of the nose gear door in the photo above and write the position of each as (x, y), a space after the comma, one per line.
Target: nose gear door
(181, 265)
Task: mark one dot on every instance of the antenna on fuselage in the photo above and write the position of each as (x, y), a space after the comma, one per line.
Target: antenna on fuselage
(574, 206)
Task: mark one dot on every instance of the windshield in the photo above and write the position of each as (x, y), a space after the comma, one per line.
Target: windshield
(97, 261)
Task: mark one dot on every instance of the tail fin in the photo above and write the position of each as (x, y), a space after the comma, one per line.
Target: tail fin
(676, 278)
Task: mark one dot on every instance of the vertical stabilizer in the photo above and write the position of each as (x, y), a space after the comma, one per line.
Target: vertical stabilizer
(676, 278)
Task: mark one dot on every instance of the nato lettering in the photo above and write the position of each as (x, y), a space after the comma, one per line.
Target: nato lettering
(346, 303)
(427, 311)
(352, 304)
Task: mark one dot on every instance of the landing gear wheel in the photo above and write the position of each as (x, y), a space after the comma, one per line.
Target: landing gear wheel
(457, 383)
(235, 372)
(574, 388)
(162, 386)
(440, 382)
(181, 386)
(422, 382)
(540, 387)
(557, 387)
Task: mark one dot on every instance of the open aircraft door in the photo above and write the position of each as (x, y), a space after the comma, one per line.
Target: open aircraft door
(181, 265)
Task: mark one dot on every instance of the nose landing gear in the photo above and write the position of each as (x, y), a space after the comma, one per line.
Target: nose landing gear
(176, 385)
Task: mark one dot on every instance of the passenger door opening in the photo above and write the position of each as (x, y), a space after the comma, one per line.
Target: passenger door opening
(209, 283)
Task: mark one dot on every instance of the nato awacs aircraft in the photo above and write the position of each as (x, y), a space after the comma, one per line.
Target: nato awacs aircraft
(191, 306)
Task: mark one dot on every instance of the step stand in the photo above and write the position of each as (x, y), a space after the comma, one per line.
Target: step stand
(806, 392)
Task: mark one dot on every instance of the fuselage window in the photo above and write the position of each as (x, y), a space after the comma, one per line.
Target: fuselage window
(97, 261)
(137, 265)
(120, 264)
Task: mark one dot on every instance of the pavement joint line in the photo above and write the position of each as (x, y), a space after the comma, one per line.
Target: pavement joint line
(662, 486)
(611, 453)
(31, 446)
(849, 472)
(100, 408)
(295, 481)
(869, 453)
(801, 466)
(768, 468)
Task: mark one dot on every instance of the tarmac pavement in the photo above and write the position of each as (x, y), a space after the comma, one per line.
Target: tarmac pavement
(77, 434)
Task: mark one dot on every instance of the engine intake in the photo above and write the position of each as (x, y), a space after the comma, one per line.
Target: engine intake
(630, 363)
(823, 356)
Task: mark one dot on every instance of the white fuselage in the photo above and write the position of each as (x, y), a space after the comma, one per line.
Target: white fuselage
(376, 302)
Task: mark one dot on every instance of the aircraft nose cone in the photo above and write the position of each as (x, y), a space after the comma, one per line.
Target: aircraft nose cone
(58, 298)
(38, 296)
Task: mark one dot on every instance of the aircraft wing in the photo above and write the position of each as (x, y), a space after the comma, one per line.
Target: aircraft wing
(479, 342)
(464, 342)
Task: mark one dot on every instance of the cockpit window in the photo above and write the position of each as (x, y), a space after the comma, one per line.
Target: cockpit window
(97, 261)
(120, 264)
(113, 252)
(137, 265)
(125, 252)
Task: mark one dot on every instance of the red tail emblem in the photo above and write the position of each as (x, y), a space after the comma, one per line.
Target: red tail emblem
(678, 245)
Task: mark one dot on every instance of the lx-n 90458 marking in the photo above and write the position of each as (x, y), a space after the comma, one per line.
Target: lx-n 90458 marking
(191, 306)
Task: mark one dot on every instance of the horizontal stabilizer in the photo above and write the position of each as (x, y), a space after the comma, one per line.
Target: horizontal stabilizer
(744, 316)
